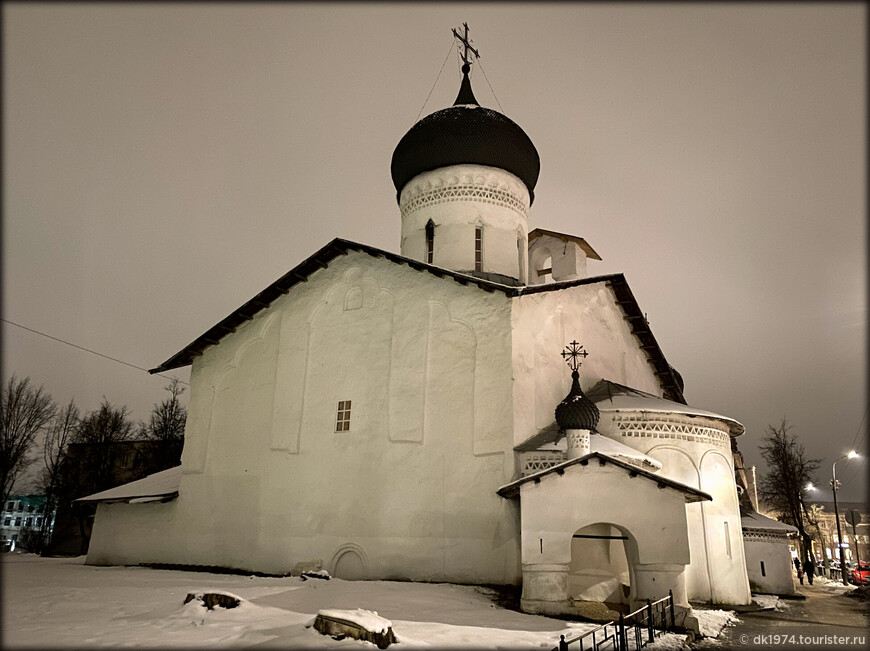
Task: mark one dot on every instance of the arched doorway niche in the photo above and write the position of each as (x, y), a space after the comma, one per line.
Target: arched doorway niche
(350, 562)
(601, 567)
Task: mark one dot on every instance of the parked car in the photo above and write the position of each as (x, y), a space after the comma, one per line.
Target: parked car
(861, 574)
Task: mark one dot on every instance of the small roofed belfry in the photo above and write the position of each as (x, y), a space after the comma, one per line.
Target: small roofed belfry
(576, 415)
(465, 179)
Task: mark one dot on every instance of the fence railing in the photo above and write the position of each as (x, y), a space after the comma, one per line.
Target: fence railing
(629, 633)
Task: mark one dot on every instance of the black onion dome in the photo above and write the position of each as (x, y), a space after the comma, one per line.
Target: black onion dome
(576, 411)
(465, 133)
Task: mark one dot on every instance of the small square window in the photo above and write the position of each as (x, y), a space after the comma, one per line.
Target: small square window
(342, 419)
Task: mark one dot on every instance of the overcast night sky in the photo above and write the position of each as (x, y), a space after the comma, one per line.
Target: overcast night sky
(163, 163)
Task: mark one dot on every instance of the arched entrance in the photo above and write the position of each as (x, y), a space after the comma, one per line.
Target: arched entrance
(600, 570)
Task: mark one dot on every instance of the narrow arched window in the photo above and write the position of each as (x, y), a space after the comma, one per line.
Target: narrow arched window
(430, 241)
(521, 270)
(478, 249)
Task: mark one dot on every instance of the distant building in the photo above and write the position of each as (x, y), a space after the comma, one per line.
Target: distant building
(20, 513)
(856, 545)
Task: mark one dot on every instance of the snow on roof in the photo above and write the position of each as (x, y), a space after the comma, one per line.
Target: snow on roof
(754, 520)
(690, 494)
(612, 397)
(613, 448)
(160, 484)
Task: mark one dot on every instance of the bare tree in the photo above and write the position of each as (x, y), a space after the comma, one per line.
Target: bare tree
(54, 453)
(166, 427)
(88, 466)
(98, 432)
(789, 472)
(24, 411)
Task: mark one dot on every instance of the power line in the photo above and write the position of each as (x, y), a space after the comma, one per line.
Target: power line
(492, 90)
(68, 343)
(860, 425)
(857, 466)
(436, 82)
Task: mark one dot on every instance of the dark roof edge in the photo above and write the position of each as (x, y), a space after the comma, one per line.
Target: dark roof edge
(321, 259)
(512, 489)
(636, 320)
(299, 274)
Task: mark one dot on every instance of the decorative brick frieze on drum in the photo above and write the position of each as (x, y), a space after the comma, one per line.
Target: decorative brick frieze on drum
(478, 193)
(684, 428)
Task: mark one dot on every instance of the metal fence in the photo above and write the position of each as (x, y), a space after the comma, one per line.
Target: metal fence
(629, 633)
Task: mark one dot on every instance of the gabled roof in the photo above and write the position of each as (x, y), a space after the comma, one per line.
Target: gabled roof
(565, 237)
(690, 494)
(300, 274)
(339, 247)
(610, 396)
(163, 484)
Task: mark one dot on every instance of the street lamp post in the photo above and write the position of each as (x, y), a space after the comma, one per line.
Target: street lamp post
(834, 483)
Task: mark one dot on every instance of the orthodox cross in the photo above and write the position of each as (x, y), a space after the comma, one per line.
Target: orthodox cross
(467, 44)
(573, 350)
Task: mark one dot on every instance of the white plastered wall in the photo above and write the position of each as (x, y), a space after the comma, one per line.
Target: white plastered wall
(458, 199)
(543, 324)
(695, 451)
(554, 509)
(410, 489)
(771, 549)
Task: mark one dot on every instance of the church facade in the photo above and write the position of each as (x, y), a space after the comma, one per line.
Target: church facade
(391, 416)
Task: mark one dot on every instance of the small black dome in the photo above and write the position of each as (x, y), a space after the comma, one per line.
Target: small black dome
(577, 411)
(465, 133)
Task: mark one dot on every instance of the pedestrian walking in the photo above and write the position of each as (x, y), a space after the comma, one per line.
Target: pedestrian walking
(809, 569)
(797, 564)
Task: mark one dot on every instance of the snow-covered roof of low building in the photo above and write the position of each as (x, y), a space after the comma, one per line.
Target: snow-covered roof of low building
(690, 494)
(612, 397)
(757, 522)
(160, 485)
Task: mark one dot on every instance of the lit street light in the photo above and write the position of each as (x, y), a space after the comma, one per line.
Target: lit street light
(834, 485)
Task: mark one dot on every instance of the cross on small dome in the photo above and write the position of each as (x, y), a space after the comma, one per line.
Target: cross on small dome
(574, 350)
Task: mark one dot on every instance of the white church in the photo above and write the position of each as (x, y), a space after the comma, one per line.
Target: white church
(411, 416)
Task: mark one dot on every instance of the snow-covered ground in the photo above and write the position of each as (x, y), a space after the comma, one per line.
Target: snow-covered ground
(711, 622)
(61, 602)
(769, 601)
